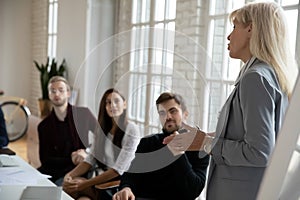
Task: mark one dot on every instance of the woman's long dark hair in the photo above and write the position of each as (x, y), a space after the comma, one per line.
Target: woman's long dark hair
(106, 122)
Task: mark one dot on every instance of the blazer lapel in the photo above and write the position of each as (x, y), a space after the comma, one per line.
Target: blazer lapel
(223, 117)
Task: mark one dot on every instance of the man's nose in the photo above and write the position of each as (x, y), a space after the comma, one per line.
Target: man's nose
(56, 93)
(169, 115)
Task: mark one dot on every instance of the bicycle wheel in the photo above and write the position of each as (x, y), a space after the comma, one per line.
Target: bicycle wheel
(16, 119)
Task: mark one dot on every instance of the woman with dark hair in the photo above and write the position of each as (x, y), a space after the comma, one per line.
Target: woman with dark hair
(113, 149)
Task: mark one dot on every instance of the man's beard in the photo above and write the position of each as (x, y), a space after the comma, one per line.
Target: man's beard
(176, 128)
(60, 103)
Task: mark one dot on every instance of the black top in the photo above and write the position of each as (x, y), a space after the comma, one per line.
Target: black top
(156, 173)
(3, 132)
(58, 139)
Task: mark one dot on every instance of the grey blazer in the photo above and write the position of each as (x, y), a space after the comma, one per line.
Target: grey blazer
(247, 128)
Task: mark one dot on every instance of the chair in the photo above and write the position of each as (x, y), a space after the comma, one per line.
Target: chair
(33, 142)
(107, 185)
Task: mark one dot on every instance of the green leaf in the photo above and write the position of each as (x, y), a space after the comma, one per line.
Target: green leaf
(47, 71)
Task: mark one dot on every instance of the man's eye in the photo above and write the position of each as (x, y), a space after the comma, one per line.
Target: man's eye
(173, 111)
(162, 114)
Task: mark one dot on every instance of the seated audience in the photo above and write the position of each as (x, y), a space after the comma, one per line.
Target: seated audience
(159, 172)
(63, 135)
(113, 150)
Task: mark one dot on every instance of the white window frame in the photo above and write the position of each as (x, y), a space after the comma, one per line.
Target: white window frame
(224, 81)
(144, 72)
(52, 28)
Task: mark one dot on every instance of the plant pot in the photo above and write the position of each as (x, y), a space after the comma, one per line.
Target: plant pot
(45, 107)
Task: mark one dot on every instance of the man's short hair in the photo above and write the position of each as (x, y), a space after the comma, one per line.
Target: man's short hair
(55, 79)
(166, 96)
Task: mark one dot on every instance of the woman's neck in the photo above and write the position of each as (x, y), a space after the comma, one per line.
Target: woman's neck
(114, 127)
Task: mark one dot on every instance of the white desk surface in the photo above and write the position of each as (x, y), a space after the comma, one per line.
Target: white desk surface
(13, 180)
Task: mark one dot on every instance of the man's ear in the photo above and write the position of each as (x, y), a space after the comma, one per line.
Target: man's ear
(185, 115)
(69, 93)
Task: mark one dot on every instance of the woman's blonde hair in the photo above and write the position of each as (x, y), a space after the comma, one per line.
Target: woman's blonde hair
(269, 40)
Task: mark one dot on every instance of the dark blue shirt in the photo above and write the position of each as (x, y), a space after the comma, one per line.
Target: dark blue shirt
(3, 132)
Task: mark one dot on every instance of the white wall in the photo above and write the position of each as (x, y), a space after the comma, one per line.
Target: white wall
(71, 36)
(99, 51)
(15, 47)
(82, 25)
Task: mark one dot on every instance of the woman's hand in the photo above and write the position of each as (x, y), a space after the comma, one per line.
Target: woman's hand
(71, 185)
(124, 194)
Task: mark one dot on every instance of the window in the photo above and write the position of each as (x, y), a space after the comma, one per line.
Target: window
(222, 74)
(152, 60)
(150, 65)
(291, 8)
(52, 28)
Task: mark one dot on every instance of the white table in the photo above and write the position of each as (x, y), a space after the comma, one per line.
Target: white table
(13, 180)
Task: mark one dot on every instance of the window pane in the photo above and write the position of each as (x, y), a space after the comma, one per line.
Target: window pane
(146, 11)
(134, 11)
(170, 26)
(134, 99)
(289, 2)
(214, 104)
(151, 62)
(50, 20)
(234, 66)
(139, 44)
(218, 47)
(52, 27)
(142, 96)
(292, 18)
(55, 5)
(50, 46)
(218, 7)
(171, 11)
(137, 108)
(140, 11)
(169, 57)
(159, 10)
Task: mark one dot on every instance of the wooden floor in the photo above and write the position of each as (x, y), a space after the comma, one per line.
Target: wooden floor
(20, 147)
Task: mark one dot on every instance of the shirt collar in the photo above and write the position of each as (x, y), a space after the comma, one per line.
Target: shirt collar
(245, 68)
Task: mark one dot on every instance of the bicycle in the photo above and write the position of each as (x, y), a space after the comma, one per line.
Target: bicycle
(16, 115)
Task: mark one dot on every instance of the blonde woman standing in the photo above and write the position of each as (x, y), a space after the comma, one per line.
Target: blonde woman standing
(253, 114)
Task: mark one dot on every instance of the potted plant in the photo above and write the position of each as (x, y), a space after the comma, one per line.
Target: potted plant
(47, 71)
